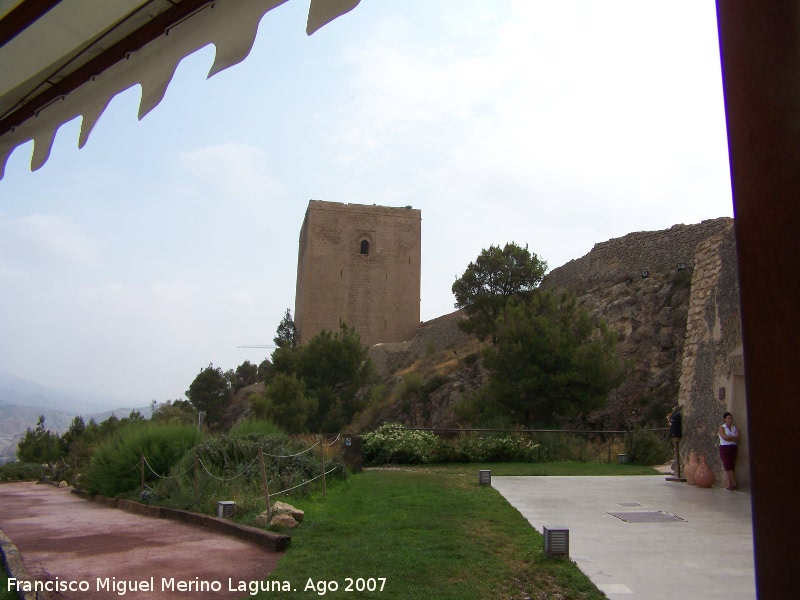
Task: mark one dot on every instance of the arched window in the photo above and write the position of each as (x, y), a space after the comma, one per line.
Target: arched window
(364, 247)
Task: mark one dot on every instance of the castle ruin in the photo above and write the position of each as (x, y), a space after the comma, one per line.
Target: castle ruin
(359, 265)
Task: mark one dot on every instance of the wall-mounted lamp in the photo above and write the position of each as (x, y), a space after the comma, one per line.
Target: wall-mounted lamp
(681, 266)
(645, 273)
(721, 393)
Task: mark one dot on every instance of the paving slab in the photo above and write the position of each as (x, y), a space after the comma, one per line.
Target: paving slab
(107, 551)
(699, 545)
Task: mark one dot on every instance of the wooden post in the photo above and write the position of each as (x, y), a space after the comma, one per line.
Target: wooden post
(322, 454)
(196, 476)
(141, 465)
(264, 481)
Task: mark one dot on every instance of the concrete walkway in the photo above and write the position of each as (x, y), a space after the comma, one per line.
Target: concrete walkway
(704, 553)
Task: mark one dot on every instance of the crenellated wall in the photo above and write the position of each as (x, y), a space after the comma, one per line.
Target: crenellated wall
(621, 259)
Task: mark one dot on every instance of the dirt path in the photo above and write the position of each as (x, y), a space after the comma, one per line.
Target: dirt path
(63, 537)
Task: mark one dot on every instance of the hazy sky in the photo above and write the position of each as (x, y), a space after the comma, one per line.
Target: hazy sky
(129, 265)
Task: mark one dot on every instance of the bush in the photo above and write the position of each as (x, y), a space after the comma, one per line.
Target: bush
(255, 426)
(228, 468)
(645, 447)
(507, 447)
(19, 471)
(393, 443)
(115, 465)
(412, 385)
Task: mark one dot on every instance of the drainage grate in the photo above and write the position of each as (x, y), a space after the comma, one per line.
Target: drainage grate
(628, 504)
(646, 517)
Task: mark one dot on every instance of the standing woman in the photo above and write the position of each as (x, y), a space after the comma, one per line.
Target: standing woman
(728, 447)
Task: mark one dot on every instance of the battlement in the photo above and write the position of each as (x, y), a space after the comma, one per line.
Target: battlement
(620, 259)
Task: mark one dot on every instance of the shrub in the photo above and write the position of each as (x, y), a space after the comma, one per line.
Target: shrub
(412, 385)
(115, 465)
(393, 443)
(227, 467)
(255, 426)
(434, 383)
(18, 471)
(645, 447)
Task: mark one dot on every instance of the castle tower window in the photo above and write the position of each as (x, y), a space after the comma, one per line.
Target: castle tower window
(364, 247)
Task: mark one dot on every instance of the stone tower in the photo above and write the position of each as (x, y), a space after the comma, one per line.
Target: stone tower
(359, 265)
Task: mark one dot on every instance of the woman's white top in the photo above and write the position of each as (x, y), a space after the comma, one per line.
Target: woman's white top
(731, 431)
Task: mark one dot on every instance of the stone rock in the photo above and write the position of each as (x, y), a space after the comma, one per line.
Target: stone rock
(283, 508)
(261, 520)
(284, 521)
(63, 484)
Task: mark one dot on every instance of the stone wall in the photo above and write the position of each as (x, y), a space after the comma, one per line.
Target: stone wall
(624, 258)
(359, 265)
(712, 369)
(435, 335)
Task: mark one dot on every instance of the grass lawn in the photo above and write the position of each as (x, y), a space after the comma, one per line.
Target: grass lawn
(430, 532)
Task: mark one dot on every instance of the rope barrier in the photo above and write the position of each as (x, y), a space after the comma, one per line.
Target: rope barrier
(293, 455)
(202, 464)
(244, 471)
(136, 466)
(162, 476)
(304, 483)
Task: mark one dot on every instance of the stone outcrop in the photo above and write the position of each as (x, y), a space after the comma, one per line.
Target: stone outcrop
(712, 368)
(640, 285)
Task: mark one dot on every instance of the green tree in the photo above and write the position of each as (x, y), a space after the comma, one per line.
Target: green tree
(179, 412)
(332, 366)
(286, 334)
(287, 404)
(40, 445)
(246, 374)
(74, 434)
(265, 370)
(497, 275)
(550, 360)
(210, 392)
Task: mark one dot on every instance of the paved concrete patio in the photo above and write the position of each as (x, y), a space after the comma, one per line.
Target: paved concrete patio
(704, 553)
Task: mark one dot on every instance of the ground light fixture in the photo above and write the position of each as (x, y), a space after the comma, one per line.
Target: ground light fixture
(225, 508)
(485, 477)
(556, 540)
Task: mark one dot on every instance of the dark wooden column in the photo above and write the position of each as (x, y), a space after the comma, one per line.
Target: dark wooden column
(760, 50)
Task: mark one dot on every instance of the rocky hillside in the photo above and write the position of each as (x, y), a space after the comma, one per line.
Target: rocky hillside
(639, 284)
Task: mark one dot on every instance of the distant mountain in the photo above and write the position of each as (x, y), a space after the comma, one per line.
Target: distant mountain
(23, 392)
(23, 401)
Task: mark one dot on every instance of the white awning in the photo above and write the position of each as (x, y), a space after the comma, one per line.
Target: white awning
(60, 59)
